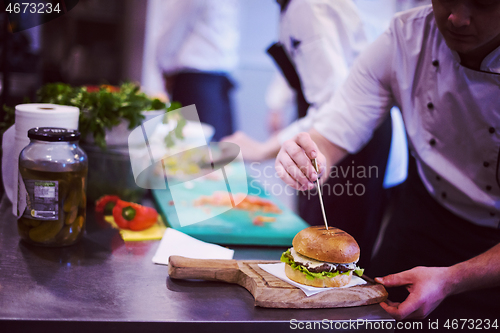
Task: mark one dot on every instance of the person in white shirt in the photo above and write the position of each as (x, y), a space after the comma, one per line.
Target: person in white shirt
(441, 65)
(321, 38)
(196, 53)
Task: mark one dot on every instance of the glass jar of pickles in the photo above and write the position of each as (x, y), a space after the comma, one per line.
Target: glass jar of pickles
(52, 187)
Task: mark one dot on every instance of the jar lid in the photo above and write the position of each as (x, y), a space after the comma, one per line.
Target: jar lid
(53, 134)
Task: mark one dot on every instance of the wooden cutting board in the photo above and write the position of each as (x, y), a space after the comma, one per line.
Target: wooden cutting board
(268, 290)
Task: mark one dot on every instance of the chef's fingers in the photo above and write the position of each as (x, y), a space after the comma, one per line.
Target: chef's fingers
(311, 150)
(391, 303)
(393, 309)
(285, 176)
(307, 144)
(388, 306)
(293, 170)
(321, 162)
(396, 280)
(411, 308)
(301, 161)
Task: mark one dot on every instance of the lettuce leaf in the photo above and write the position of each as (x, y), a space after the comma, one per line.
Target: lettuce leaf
(287, 258)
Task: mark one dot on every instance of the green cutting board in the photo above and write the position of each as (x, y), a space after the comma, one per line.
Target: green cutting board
(233, 226)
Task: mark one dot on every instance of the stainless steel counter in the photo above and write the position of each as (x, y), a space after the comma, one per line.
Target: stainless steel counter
(105, 284)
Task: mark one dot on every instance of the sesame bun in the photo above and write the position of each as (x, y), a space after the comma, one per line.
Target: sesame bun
(332, 245)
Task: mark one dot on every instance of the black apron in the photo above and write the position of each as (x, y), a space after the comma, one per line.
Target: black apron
(421, 232)
(278, 53)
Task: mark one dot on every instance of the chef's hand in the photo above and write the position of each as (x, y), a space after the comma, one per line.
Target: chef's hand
(427, 286)
(254, 151)
(275, 120)
(293, 163)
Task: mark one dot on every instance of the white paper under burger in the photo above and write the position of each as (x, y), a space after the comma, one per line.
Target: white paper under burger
(16, 138)
(278, 270)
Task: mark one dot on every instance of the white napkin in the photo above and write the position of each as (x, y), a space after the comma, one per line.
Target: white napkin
(177, 243)
(278, 270)
(9, 178)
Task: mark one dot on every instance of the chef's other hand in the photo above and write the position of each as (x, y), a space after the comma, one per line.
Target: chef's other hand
(293, 163)
(252, 150)
(427, 286)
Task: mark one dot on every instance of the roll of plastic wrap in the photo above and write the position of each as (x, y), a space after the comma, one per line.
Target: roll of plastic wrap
(16, 138)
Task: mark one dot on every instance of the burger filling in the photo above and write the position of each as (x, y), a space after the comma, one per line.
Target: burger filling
(317, 269)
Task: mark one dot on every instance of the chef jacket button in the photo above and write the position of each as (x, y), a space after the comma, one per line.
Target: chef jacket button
(488, 187)
(432, 142)
(435, 63)
(491, 130)
(443, 195)
(492, 214)
(486, 164)
(438, 177)
(430, 105)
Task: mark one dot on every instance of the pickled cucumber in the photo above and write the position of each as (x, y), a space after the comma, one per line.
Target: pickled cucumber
(63, 188)
(70, 233)
(79, 221)
(71, 205)
(30, 222)
(46, 231)
(83, 201)
(72, 200)
(66, 233)
(71, 216)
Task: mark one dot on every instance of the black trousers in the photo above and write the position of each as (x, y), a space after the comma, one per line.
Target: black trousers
(211, 95)
(355, 202)
(422, 232)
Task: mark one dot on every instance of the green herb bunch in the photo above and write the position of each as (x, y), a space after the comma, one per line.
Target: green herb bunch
(102, 107)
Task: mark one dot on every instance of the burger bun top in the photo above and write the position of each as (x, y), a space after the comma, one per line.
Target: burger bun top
(332, 245)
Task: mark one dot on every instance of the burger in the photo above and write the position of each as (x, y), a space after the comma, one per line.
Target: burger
(322, 258)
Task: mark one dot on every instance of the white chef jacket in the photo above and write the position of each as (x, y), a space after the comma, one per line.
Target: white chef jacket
(322, 38)
(331, 35)
(451, 113)
(198, 35)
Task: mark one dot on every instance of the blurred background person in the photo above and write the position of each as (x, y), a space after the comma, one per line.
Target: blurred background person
(196, 53)
(318, 42)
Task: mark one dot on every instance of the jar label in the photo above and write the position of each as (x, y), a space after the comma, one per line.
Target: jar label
(42, 198)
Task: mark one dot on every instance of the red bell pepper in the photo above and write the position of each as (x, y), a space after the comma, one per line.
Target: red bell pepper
(106, 87)
(105, 204)
(129, 215)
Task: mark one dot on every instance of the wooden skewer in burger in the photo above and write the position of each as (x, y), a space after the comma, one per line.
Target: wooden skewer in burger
(320, 196)
(322, 257)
